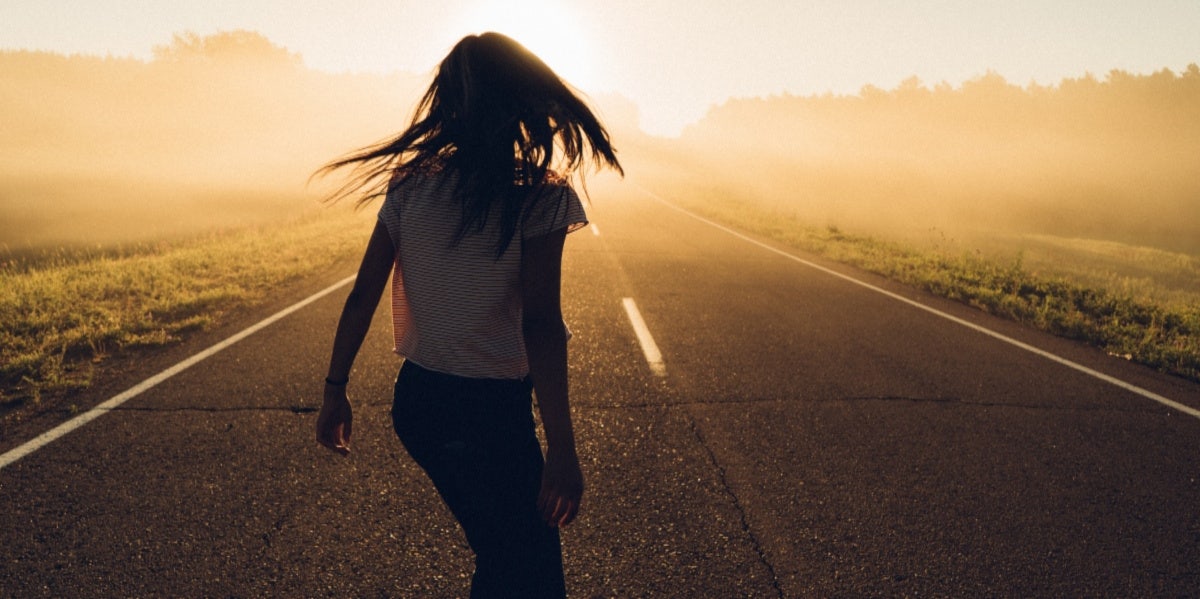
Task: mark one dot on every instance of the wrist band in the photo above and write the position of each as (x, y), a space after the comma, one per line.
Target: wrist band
(340, 383)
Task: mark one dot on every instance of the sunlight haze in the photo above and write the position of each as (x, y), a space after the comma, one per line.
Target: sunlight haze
(903, 122)
(673, 59)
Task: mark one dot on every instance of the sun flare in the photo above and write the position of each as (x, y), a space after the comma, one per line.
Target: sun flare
(548, 29)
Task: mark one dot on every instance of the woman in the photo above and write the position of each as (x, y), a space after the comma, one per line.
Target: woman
(471, 231)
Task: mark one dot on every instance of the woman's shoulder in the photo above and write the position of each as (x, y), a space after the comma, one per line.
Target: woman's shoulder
(424, 181)
(556, 179)
(555, 187)
(556, 206)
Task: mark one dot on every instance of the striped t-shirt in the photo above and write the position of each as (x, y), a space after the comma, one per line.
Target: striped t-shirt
(456, 308)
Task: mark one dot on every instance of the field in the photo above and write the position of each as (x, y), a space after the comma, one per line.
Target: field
(1135, 302)
(64, 313)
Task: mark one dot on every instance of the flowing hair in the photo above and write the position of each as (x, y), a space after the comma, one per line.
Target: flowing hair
(495, 115)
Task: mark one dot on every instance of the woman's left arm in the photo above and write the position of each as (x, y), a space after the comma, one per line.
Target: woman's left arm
(334, 422)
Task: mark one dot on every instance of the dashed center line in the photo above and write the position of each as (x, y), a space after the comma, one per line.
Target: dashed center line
(595, 229)
(649, 347)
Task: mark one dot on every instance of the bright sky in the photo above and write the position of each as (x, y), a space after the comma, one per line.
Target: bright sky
(673, 58)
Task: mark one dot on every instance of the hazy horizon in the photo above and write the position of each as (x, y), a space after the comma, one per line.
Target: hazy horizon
(227, 128)
(621, 105)
(673, 60)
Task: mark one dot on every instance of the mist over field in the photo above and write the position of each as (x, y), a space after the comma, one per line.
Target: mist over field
(1114, 158)
(215, 132)
(224, 130)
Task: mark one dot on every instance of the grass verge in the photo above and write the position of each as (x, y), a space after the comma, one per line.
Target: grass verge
(1161, 333)
(60, 318)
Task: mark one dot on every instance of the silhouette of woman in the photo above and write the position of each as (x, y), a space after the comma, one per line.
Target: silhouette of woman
(471, 231)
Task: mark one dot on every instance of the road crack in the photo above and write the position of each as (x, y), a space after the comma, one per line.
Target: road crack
(737, 504)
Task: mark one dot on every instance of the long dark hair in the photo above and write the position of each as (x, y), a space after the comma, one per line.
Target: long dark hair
(496, 115)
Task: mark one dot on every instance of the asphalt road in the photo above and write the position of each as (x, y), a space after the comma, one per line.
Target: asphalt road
(810, 438)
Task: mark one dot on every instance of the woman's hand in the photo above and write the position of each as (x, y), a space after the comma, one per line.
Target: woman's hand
(335, 421)
(562, 488)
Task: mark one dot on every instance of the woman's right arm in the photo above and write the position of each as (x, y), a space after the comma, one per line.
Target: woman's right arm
(546, 348)
(334, 422)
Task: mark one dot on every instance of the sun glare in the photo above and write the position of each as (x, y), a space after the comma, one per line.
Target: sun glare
(548, 29)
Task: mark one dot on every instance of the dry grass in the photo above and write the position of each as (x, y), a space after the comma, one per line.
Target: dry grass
(1139, 303)
(63, 314)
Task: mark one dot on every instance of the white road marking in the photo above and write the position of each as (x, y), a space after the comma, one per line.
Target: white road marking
(595, 229)
(53, 434)
(1025, 346)
(649, 348)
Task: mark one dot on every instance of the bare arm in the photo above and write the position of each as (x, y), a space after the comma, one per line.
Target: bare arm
(334, 422)
(546, 349)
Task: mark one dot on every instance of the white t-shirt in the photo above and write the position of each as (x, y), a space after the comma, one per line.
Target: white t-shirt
(456, 308)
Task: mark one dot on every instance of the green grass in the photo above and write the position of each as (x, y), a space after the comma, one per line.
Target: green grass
(62, 316)
(1137, 303)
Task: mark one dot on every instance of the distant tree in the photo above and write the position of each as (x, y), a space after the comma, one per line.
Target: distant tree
(1118, 77)
(990, 85)
(226, 48)
(872, 93)
(1084, 86)
(911, 85)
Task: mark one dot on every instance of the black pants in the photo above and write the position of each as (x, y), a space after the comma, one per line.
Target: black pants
(475, 439)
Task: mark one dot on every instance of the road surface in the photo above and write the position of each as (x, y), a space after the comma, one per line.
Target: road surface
(804, 437)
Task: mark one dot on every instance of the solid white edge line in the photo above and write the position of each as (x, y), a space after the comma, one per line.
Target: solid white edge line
(1025, 346)
(649, 348)
(53, 434)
